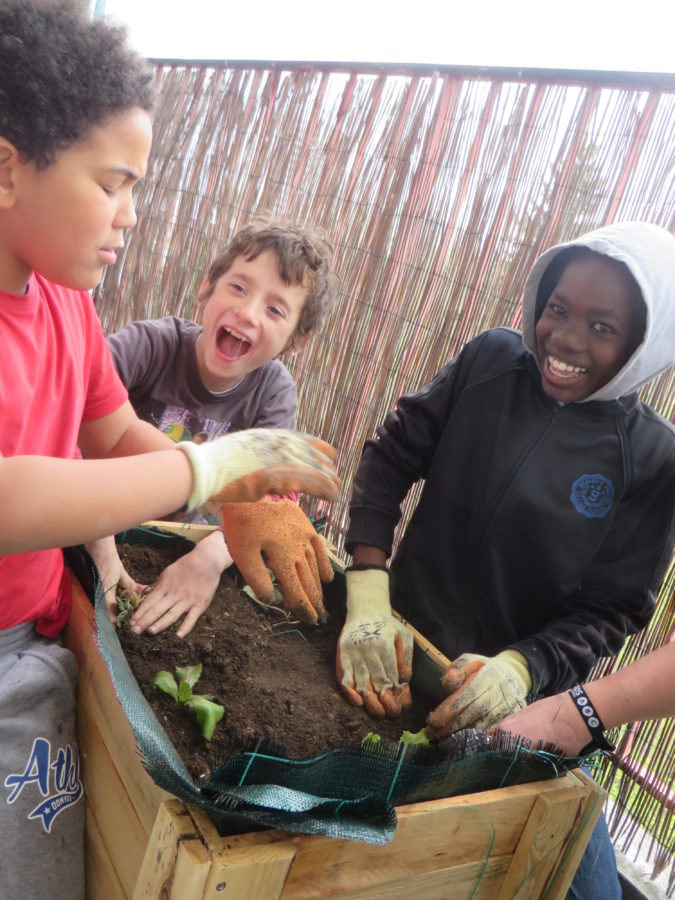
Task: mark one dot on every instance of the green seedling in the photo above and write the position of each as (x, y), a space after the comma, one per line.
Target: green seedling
(372, 739)
(207, 712)
(127, 602)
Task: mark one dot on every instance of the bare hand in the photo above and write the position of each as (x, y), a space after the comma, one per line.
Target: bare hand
(553, 720)
(185, 588)
(114, 576)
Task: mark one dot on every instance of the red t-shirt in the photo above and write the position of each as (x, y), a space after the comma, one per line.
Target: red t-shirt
(56, 371)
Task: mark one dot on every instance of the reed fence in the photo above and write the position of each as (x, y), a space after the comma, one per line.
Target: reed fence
(439, 188)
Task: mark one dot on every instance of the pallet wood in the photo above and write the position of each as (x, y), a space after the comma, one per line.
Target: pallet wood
(143, 844)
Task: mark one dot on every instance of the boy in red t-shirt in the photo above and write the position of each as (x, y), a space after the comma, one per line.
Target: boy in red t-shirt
(75, 136)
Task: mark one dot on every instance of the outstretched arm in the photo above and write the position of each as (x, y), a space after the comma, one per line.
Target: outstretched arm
(51, 502)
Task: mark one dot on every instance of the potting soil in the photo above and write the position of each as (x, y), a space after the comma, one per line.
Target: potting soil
(348, 791)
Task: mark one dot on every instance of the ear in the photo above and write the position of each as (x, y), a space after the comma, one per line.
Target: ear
(296, 344)
(9, 160)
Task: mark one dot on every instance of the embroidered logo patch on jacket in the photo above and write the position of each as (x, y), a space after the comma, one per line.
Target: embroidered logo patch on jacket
(592, 495)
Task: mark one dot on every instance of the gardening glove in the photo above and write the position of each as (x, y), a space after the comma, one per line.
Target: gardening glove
(277, 533)
(374, 655)
(249, 464)
(483, 690)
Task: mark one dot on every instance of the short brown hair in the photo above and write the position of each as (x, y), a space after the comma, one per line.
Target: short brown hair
(304, 254)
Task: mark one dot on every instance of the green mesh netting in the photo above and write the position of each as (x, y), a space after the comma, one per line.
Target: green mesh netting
(349, 792)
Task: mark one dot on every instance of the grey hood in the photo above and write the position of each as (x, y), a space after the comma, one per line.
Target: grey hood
(649, 252)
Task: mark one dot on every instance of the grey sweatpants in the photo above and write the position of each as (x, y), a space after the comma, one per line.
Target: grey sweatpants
(41, 798)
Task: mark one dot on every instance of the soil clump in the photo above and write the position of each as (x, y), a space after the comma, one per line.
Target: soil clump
(274, 676)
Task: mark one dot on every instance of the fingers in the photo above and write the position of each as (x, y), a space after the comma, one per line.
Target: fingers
(459, 673)
(255, 574)
(356, 683)
(282, 479)
(322, 446)
(403, 646)
(324, 565)
(439, 721)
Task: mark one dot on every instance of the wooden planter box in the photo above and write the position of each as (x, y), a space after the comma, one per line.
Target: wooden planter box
(143, 844)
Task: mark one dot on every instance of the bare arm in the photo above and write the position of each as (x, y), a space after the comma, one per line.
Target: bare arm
(643, 690)
(57, 502)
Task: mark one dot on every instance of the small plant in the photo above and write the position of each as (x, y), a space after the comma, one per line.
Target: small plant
(207, 712)
(127, 602)
(372, 739)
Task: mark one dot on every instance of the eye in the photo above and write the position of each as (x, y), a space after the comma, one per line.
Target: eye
(556, 308)
(603, 328)
(109, 192)
(277, 311)
(237, 288)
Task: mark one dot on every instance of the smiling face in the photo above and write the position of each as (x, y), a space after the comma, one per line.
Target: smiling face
(249, 319)
(592, 323)
(67, 221)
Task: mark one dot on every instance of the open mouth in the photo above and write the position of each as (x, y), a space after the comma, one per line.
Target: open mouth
(232, 345)
(563, 371)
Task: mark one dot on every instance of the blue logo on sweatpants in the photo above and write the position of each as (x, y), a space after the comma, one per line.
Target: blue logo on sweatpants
(592, 496)
(58, 773)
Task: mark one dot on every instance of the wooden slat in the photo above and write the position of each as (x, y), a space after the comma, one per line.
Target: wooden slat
(111, 816)
(98, 703)
(172, 825)
(103, 882)
(430, 835)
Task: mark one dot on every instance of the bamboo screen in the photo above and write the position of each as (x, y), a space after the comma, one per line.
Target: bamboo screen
(439, 189)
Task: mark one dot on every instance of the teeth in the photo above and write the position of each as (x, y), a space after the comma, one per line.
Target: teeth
(235, 334)
(559, 366)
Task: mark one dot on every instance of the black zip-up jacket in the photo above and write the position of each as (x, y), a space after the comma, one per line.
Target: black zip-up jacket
(540, 527)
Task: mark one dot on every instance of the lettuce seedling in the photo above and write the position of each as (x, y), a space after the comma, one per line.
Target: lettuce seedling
(207, 712)
(127, 602)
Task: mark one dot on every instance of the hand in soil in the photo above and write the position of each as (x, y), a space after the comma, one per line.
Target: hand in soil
(374, 656)
(185, 588)
(277, 534)
(113, 575)
(276, 682)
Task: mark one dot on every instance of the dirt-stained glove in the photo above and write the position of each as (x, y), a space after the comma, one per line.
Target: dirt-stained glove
(374, 656)
(483, 690)
(249, 464)
(293, 551)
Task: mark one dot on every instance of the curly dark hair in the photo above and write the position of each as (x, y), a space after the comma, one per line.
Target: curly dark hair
(61, 75)
(304, 256)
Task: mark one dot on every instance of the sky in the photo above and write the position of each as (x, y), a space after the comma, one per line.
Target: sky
(609, 35)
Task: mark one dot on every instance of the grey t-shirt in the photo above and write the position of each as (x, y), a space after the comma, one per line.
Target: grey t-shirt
(157, 361)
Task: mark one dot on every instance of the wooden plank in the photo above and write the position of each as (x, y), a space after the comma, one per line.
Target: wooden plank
(110, 809)
(98, 703)
(102, 880)
(555, 819)
(172, 825)
(436, 834)
(249, 870)
(575, 846)
(480, 881)
(193, 864)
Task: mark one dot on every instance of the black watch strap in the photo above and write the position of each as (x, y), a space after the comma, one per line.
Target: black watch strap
(593, 721)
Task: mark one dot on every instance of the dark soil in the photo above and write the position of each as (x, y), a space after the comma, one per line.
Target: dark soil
(275, 678)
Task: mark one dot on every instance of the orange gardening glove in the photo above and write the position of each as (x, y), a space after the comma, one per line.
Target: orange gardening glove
(292, 550)
(246, 465)
(374, 655)
(483, 690)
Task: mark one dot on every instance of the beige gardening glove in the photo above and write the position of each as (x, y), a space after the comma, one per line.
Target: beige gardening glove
(249, 464)
(374, 655)
(483, 690)
(292, 549)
